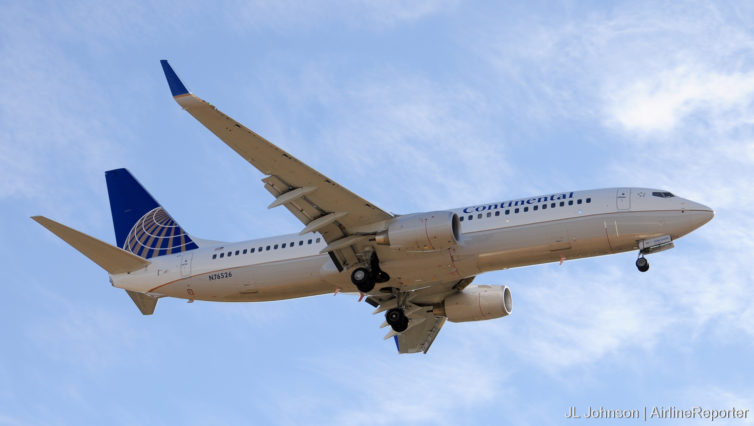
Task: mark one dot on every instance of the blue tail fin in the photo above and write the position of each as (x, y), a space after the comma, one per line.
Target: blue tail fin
(142, 226)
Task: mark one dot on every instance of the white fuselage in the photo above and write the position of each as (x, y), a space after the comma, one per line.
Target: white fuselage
(495, 236)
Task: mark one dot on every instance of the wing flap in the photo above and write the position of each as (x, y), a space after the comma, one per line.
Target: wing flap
(420, 338)
(108, 257)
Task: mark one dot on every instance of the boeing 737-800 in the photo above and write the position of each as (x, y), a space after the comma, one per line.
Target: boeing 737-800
(416, 268)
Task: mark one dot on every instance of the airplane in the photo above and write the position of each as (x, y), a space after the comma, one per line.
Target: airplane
(416, 268)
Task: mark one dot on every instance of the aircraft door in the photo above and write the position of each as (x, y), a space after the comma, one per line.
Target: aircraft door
(185, 262)
(624, 198)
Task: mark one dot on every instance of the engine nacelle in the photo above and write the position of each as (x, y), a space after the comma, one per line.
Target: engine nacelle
(422, 231)
(476, 303)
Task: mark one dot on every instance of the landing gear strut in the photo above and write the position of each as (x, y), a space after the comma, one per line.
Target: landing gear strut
(397, 319)
(642, 264)
(365, 278)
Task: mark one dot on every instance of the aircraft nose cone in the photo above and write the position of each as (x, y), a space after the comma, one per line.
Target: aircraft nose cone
(703, 213)
(709, 213)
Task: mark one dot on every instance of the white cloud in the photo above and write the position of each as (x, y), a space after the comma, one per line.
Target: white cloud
(415, 389)
(576, 316)
(661, 101)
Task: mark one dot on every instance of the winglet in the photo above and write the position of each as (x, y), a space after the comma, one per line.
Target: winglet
(176, 87)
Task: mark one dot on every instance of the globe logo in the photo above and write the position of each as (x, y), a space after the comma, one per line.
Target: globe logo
(157, 234)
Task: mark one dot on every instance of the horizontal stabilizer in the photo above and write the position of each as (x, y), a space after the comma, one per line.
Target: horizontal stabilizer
(144, 302)
(108, 257)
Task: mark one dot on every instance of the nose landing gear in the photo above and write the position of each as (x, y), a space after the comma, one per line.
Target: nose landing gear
(642, 264)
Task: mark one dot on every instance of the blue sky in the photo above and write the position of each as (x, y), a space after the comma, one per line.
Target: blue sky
(416, 106)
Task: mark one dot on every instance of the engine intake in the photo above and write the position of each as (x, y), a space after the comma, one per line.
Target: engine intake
(422, 231)
(476, 303)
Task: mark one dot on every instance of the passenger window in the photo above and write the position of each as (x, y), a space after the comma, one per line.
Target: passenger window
(214, 256)
(244, 251)
(578, 201)
(460, 218)
(283, 246)
(222, 255)
(588, 200)
(318, 239)
(251, 250)
(508, 211)
(489, 214)
(515, 211)
(470, 217)
(268, 248)
(497, 213)
(301, 243)
(260, 248)
(479, 216)
(535, 208)
(544, 206)
(570, 202)
(293, 243)
(552, 206)
(309, 242)
(230, 253)
(275, 247)
(526, 209)
(562, 203)
(238, 251)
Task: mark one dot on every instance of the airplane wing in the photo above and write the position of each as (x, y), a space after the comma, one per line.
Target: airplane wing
(318, 202)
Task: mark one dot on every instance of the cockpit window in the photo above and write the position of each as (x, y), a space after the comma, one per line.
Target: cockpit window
(663, 194)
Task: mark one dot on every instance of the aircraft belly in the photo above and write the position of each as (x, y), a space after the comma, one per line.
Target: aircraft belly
(261, 282)
(415, 269)
(285, 280)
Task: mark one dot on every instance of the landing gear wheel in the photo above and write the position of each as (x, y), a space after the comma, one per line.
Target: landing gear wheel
(642, 264)
(362, 279)
(397, 319)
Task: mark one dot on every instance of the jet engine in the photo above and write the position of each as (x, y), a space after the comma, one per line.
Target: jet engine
(476, 303)
(422, 231)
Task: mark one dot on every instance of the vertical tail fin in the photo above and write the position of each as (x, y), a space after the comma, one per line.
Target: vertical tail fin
(142, 226)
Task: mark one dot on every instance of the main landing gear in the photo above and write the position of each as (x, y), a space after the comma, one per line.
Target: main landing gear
(642, 264)
(364, 278)
(397, 319)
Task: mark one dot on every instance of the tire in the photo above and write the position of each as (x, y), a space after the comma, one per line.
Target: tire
(397, 319)
(362, 279)
(394, 316)
(402, 326)
(642, 264)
